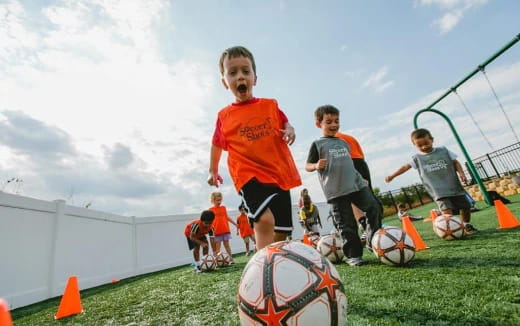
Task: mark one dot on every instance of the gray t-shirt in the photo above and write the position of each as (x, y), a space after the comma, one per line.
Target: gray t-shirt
(339, 177)
(437, 172)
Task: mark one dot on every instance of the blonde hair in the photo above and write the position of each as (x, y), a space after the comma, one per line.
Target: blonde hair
(214, 195)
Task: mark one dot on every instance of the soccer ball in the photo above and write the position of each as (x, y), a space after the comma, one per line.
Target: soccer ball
(331, 246)
(448, 227)
(290, 283)
(222, 259)
(393, 246)
(208, 263)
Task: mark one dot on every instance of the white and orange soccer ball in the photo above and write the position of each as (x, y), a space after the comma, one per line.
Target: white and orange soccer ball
(208, 263)
(393, 246)
(223, 259)
(448, 227)
(290, 283)
(331, 246)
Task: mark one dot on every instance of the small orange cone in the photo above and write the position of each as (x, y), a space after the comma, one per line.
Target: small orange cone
(506, 219)
(433, 215)
(5, 316)
(70, 301)
(412, 232)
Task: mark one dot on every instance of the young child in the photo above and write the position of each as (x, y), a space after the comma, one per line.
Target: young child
(438, 169)
(256, 134)
(221, 230)
(342, 184)
(310, 216)
(402, 212)
(195, 233)
(246, 231)
(358, 158)
(303, 192)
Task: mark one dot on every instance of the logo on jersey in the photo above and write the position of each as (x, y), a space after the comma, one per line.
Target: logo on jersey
(256, 129)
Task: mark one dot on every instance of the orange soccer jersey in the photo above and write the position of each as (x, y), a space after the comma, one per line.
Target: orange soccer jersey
(243, 226)
(255, 145)
(196, 229)
(220, 223)
(355, 148)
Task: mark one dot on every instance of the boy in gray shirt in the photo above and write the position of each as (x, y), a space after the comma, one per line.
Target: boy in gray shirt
(438, 169)
(342, 184)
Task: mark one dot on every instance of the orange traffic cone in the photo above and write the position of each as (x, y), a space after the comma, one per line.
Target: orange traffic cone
(70, 301)
(433, 215)
(506, 219)
(412, 232)
(5, 316)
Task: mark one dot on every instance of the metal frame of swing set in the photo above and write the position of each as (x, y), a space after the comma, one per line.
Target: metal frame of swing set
(430, 108)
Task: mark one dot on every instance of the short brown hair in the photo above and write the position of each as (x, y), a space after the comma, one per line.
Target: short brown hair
(233, 52)
(207, 216)
(420, 133)
(325, 109)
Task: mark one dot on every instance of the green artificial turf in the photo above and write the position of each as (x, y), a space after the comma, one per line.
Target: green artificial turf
(474, 281)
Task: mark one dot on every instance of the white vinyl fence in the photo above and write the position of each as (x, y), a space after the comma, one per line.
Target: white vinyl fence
(43, 243)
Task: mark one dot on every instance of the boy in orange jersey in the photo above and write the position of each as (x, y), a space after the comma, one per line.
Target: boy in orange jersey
(221, 230)
(256, 135)
(246, 231)
(195, 233)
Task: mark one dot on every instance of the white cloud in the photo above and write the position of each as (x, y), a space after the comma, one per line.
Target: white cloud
(384, 156)
(453, 11)
(95, 73)
(376, 81)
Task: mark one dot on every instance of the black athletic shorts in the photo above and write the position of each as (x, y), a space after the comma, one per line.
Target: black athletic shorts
(257, 197)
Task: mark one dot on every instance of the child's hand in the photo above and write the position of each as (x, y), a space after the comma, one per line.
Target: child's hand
(215, 179)
(288, 134)
(389, 178)
(321, 164)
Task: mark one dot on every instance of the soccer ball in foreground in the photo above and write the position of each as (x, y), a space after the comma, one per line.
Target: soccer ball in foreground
(393, 246)
(290, 283)
(223, 259)
(331, 246)
(448, 227)
(208, 263)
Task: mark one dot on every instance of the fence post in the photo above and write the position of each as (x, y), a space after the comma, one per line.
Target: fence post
(393, 201)
(418, 195)
(493, 165)
(406, 198)
(58, 216)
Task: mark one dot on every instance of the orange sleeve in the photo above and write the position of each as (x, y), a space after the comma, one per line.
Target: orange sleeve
(355, 148)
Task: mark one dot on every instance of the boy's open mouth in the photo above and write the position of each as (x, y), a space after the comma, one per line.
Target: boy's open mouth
(242, 88)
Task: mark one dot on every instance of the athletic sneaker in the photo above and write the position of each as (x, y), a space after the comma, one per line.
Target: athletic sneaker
(469, 229)
(232, 262)
(247, 253)
(197, 269)
(355, 261)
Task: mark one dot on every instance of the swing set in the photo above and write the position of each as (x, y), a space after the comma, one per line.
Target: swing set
(429, 108)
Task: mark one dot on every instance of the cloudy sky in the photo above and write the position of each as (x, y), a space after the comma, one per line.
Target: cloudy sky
(112, 104)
